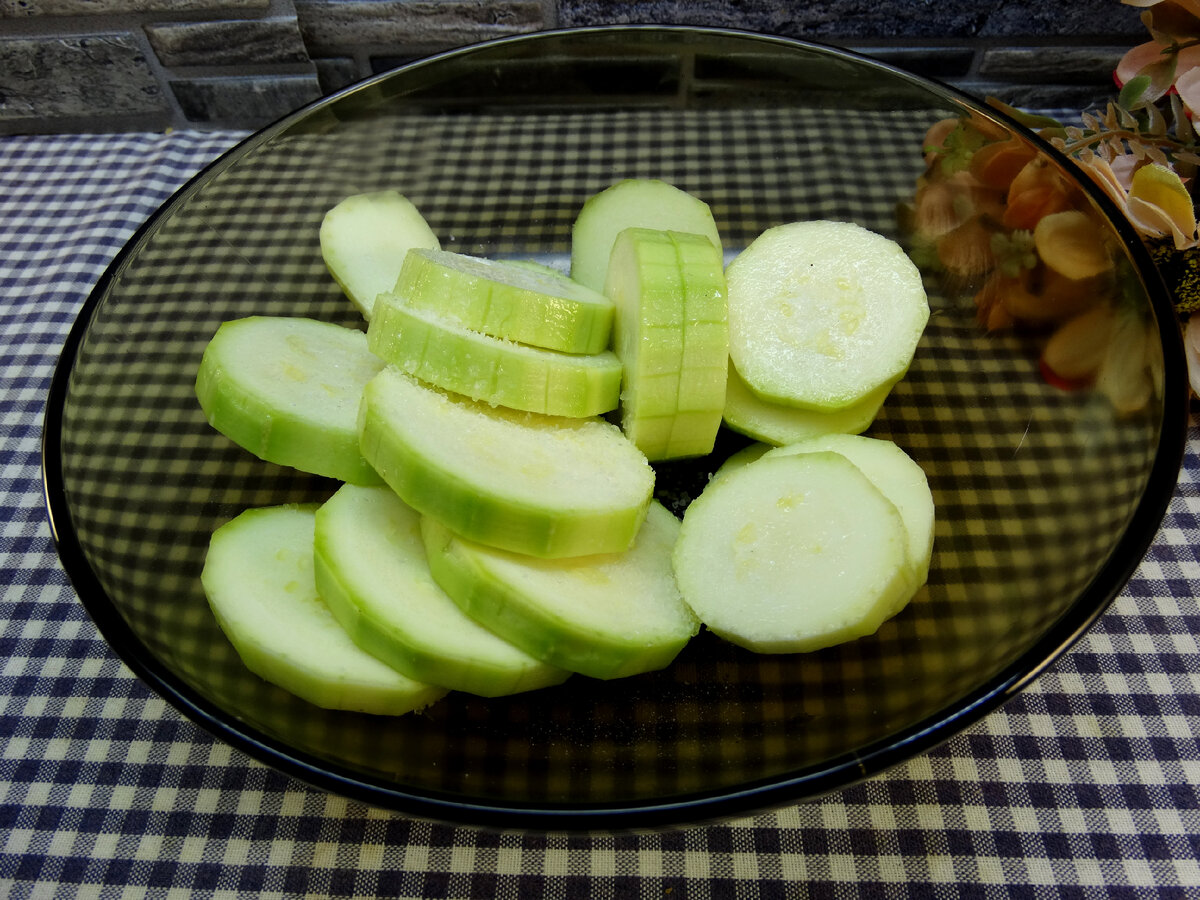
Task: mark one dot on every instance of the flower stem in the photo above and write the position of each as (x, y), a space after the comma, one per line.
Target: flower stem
(1158, 140)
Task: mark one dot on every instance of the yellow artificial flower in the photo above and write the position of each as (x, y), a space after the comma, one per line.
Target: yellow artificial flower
(1159, 204)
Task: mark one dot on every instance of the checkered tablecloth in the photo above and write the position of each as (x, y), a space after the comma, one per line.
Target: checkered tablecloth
(1087, 784)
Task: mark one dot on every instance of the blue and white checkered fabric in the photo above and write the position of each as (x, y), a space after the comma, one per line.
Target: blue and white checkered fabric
(1086, 785)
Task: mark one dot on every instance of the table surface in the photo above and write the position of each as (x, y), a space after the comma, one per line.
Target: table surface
(1087, 784)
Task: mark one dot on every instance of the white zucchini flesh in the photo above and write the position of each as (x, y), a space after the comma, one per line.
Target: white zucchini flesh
(899, 477)
(775, 423)
(258, 577)
(747, 454)
(438, 350)
(372, 571)
(605, 616)
(792, 554)
(364, 240)
(821, 314)
(287, 389)
(547, 486)
(632, 203)
(512, 300)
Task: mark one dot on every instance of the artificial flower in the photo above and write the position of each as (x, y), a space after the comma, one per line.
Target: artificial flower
(1152, 196)
(1072, 243)
(1159, 204)
(1158, 64)
(1113, 176)
(1169, 20)
(1191, 346)
(1006, 219)
(1037, 190)
(1192, 6)
(1150, 70)
(1132, 367)
(1187, 86)
(1074, 353)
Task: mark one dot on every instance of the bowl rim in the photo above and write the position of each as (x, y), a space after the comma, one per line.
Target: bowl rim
(690, 808)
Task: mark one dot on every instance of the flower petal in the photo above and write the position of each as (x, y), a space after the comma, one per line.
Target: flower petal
(1105, 175)
(1188, 86)
(1071, 243)
(1124, 166)
(998, 164)
(1192, 6)
(1125, 377)
(1161, 187)
(1172, 21)
(1151, 220)
(1139, 59)
(1077, 348)
(1191, 346)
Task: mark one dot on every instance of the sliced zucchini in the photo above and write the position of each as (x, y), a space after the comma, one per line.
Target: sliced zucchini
(822, 314)
(632, 203)
(898, 477)
(736, 460)
(547, 486)
(792, 553)
(436, 349)
(287, 389)
(672, 338)
(372, 572)
(258, 577)
(778, 424)
(364, 240)
(516, 301)
(605, 616)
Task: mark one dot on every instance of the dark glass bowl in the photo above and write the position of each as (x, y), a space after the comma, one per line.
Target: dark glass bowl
(1047, 498)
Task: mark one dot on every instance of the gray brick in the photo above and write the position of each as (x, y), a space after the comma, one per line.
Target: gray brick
(244, 101)
(1066, 65)
(1045, 18)
(839, 20)
(832, 20)
(82, 75)
(17, 8)
(338, 27)
(228, 42)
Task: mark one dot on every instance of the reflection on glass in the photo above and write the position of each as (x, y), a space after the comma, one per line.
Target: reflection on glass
(998, 219)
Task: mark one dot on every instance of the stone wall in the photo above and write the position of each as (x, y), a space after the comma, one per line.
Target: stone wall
(105, 65)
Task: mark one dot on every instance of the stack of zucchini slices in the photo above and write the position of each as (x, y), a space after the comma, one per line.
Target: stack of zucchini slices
(494, 429)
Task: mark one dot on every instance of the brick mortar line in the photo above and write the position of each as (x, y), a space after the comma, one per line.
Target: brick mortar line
(116, 124)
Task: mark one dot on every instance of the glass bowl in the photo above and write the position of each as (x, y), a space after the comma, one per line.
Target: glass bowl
(1048, 494)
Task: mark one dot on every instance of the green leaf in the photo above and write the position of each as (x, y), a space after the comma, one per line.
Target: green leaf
(1133, 91)
(1161, 75)
(1014, 252)
(960, 145)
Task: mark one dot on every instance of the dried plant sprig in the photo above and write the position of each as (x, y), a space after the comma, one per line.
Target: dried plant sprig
(1147, 132)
